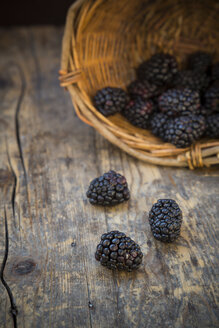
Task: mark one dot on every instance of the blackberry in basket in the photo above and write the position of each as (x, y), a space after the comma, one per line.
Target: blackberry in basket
(159, 69)
(212, 126)
(193, 80)
(157, 124)
(143, 89)
(183, 131)
(211, 99)
(165, 218)
(175, 102)
(138, 112)
(117, 251)
(200, 61)
(109, 101)
(109, 189)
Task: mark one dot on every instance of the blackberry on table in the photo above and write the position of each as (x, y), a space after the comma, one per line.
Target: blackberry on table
(200, 61)
(175, 102)
(143, 89)
(109, 101)
(138, 112)
(211, 99)
(212, 126)
(191, 79)
(157, 124)
(117, 251)
(165, 218)
(159, 69)
(183, 131)
(109, 189)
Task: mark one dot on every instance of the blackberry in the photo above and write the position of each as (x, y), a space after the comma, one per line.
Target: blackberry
(109, 101)
(138, 112)
(191, 79)
(176, 102)
(215, 72)
(116, 251)
(144, 89)
(203, 111)
(157, 124)
(159, 69)
(199, 61)
(211, 99)
(109, 189)
(184, 130)
(165, 218)
(212, 126)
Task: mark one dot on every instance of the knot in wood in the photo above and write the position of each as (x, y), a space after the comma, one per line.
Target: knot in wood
(24, 267)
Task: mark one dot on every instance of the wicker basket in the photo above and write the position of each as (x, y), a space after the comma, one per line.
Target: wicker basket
(105, 40)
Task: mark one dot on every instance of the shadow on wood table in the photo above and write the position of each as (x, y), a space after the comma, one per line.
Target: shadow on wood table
(47, 158)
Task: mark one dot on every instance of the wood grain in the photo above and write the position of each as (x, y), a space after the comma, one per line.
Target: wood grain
(47, 158)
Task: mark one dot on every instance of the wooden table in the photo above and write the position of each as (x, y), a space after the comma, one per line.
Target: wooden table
(47, 158)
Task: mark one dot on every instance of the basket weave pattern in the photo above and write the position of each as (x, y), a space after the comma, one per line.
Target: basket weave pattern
(105, 40)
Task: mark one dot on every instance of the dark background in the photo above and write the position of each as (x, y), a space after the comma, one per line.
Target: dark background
(33, 12)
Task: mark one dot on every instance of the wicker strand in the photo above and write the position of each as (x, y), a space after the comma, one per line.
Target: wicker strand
(68, 78)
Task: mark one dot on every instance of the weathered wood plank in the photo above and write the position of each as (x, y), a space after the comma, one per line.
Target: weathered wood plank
(47, 158)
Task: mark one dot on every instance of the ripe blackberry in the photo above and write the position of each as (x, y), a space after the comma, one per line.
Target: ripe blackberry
(203, 111)
(109, 189)
(175, 102)
(116, 251)
(184, 130)
(211, 99)
(159, 69)
(157, 124)
(212, 126)
(191, 79)
(199, 61)
(143, 89)
(109, 101)
(138, 112)
(165, 218)
(215, 72)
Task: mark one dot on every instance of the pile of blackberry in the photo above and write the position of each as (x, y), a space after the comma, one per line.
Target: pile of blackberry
(178, 106)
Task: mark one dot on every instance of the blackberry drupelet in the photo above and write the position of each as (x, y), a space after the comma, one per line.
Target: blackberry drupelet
(159, 69)
(165, 218)
(116, 251)
(109, 189)
(191, 79)
(157, 124)
(211, 99)
(175, 102)
(138, 112)
(212, 126)
(184, 130)
(109, 101)
(199, 61)
(143, 89)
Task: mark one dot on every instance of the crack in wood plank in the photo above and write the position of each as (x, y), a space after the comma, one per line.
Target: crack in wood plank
(13, 310)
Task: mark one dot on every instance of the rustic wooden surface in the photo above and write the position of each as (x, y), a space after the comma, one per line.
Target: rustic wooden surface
(47, 157)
